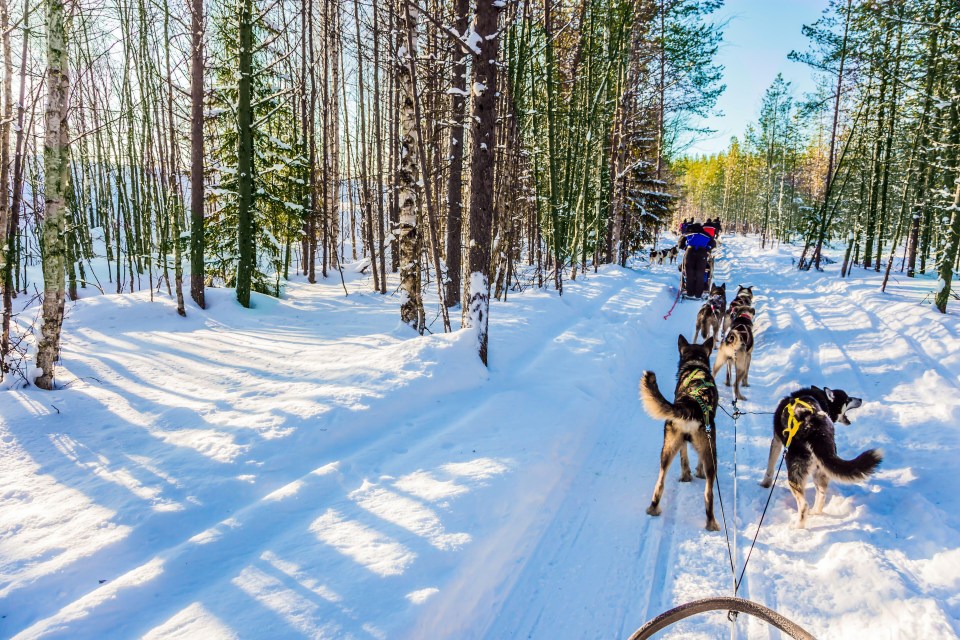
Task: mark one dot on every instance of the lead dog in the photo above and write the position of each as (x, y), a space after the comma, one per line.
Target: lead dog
(689, 419)
(813, 449)
(736, 350)
(711, 314)
(836, 402)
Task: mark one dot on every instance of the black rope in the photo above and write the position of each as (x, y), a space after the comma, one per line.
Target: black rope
(723, 515)
(737, 412)
(760, 524)
(735, 416)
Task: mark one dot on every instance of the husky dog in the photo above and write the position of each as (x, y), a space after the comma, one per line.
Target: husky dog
(673, 254)
(835, 402)
(736, 350)
(691, 418)
(746, 293)
(654, 255)
(814, 450)
(743, 298)
(711, 314)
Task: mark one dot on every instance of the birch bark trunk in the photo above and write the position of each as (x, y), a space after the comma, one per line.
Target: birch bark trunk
(411, 305)
(56, 165)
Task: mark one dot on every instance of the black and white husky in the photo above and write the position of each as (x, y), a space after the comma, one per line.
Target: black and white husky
(711, 314)
(736, 350)
(813, 448)
(836, 402)
(691, 418)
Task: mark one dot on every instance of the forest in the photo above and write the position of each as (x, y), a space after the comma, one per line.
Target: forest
(870, 160)
(464, 150)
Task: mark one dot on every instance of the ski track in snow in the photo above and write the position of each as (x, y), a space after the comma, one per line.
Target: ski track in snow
(310, 469)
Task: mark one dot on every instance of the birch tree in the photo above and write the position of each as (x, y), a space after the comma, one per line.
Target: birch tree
(411, 304)
(56, 166)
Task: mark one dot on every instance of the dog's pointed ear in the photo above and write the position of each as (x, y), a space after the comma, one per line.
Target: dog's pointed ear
(750, 288)
(723, 287)
(708, 344)
(682, 342)
(829, 393)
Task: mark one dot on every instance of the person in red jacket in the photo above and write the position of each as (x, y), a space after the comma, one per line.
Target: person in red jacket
(710, 228)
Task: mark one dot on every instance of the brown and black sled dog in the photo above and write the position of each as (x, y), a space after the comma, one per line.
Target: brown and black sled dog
(689, 419)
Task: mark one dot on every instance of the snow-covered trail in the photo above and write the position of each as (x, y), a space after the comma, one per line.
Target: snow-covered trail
(309, 469)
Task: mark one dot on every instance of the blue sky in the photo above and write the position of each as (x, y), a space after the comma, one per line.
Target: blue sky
(756, 41)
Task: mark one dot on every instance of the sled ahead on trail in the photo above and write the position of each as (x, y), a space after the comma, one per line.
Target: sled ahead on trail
(696, 273)
(697, 264)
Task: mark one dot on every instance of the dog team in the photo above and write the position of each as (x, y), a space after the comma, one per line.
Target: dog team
(803, 422)
(658, 256)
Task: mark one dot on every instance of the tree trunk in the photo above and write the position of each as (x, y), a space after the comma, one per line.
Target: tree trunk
(458, 112)
(483, 137)
(197, 269)
(949, 255)
(56, 167)
(246, 262)
(9, 233)
(5, 120)
(411, 305)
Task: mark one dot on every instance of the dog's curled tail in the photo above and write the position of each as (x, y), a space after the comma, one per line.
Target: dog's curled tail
(847, 470)
(653, 401)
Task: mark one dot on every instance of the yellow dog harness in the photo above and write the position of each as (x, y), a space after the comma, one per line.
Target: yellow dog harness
(793, 424)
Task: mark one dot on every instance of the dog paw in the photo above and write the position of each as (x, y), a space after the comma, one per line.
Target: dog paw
(745, 384)
(700, 474)
(653, 510)
(766, 482)
(686, 477)
(712, 525)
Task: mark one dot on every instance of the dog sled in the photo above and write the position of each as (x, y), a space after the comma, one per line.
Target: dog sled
(696, 274)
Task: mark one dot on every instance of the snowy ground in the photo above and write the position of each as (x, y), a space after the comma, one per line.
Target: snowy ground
(310, 469)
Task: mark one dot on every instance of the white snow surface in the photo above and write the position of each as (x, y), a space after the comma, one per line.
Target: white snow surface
(310, 468)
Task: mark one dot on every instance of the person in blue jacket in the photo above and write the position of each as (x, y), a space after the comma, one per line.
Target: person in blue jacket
(698, 246)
